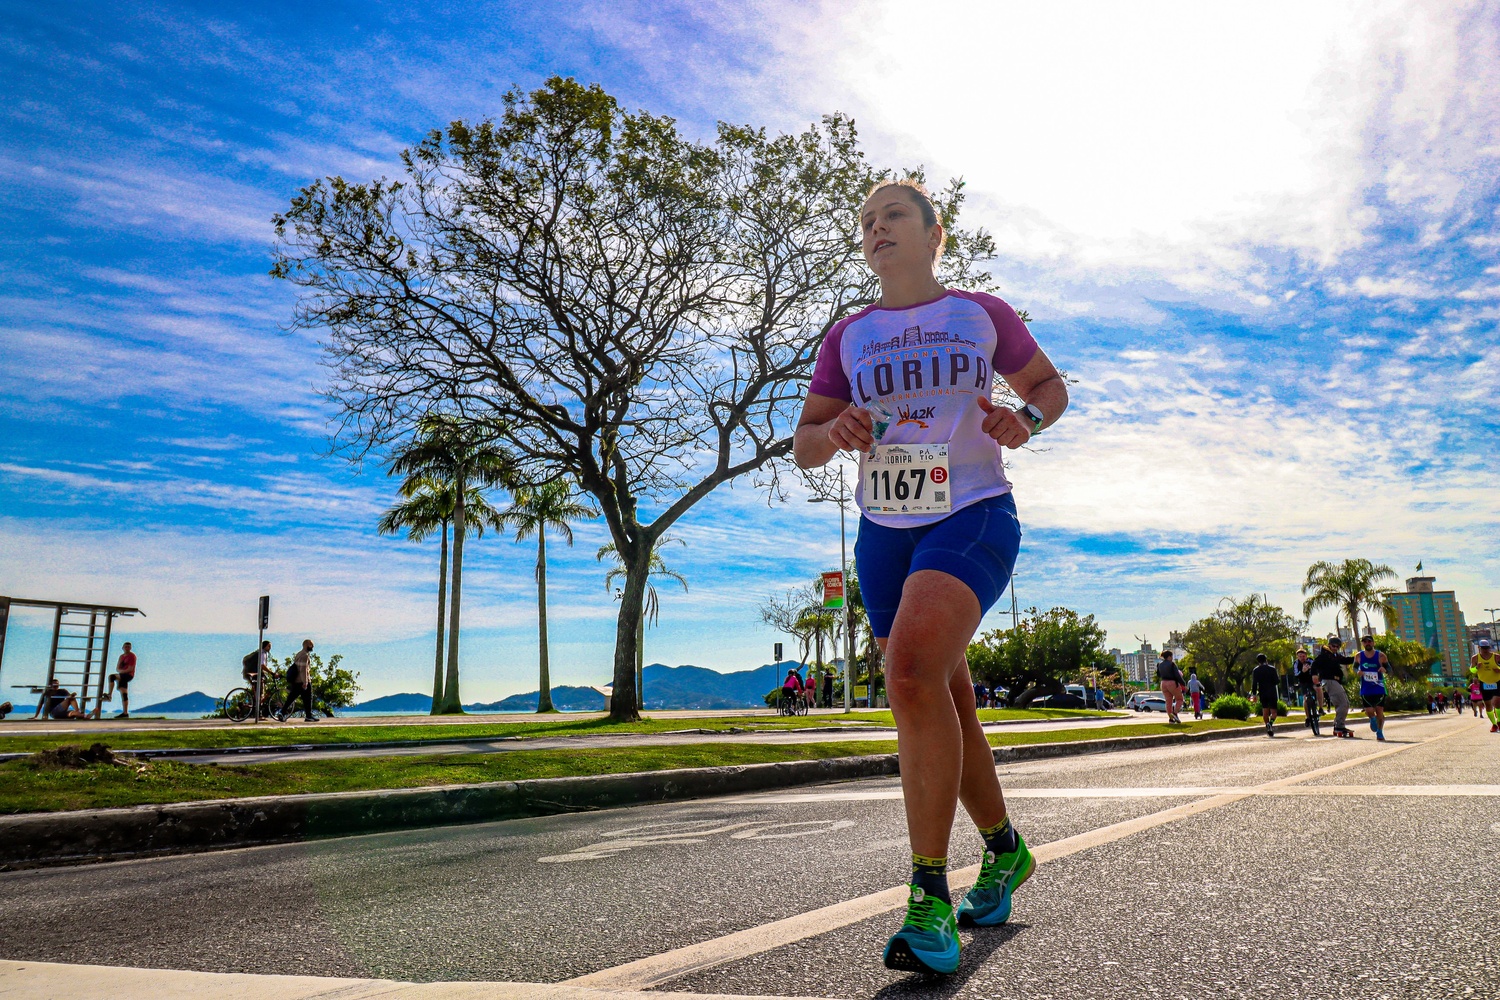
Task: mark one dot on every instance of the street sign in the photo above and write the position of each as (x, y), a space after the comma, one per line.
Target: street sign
(777, 658)
(833, 590)
(265, 612)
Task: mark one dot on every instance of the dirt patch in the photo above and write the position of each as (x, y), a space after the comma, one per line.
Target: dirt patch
(71, 756)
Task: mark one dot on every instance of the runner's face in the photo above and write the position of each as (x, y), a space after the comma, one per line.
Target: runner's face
(894, 239)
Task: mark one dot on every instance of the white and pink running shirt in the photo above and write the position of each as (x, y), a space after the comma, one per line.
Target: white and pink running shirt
(929, 364)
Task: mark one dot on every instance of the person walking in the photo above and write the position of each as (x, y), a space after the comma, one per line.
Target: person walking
(1372, 666)
(1307, 689)
(1172, 684)
(1265, 681)
(1328, 667)
(906, 384)
(1485, 666)
(1195, 692)
(299, 683)
(121, 678)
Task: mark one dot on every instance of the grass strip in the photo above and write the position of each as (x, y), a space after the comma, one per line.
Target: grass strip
(25, 787)
(278, 734)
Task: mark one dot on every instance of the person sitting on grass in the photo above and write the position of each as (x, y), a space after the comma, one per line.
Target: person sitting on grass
(60, 702)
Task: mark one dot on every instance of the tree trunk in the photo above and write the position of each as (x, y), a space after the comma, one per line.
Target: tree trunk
(623, 699)
(437, 665)
(640, 665)
(544, 695)
(452, 703)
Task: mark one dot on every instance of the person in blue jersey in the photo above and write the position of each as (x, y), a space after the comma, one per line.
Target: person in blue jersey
(907, 384)
(1371, 666)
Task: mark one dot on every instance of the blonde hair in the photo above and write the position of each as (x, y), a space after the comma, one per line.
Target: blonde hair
(919, 197)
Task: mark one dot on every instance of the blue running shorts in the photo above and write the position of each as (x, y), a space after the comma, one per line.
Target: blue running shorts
(977, 544)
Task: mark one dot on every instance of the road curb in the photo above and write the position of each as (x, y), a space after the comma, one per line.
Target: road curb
(38, 840)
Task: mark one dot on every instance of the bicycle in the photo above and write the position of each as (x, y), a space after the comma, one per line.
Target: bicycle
(793, 704)
(239, 703)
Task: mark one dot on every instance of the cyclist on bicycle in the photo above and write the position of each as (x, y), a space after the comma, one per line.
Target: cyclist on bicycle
(254, 662)
(791, 688)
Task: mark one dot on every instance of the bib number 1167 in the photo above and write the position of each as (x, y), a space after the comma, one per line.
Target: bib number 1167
(907, 479)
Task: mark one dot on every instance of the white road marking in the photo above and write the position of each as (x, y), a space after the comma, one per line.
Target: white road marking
(657, 970)
(1161, 792)
(30, 980)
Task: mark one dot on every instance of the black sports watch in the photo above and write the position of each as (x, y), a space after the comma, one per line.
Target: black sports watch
(1035, 415)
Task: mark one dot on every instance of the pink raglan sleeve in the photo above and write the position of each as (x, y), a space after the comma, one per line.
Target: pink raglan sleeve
(1014, 344)
(829, 377)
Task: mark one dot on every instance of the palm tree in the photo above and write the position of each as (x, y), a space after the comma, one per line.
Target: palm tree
(427, 506)
(533, 510)
(465, 454)
(656, 568)
(1348, 587)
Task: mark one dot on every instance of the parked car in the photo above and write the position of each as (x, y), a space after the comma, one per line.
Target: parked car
(1060, 701)
(1147, 701)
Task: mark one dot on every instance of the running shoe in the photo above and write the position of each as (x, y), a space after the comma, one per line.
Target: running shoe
(987, 903)
(928, 940)
(1495, 729)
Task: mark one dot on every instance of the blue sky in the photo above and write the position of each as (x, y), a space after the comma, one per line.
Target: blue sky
(1262, 237)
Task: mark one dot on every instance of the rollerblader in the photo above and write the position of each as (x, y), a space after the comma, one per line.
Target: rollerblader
(1328, 667)
(1485, 666)
(1372, 665)
(1307, 687)
(1265, 680)
(938, 537)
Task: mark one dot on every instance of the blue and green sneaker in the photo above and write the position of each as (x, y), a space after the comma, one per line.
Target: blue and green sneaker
(987, 903)
(928, 940)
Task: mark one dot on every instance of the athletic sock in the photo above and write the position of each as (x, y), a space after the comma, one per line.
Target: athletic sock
(931, 876)
(1000, 838)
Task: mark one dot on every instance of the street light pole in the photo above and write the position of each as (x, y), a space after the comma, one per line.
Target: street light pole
(848, 605)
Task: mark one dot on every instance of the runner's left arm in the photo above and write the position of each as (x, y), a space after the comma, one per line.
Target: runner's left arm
(1038, 383)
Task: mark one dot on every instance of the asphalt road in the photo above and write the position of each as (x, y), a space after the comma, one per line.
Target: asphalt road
(1255, 867)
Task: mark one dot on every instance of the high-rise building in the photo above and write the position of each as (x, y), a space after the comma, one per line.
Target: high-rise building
(1433, 618)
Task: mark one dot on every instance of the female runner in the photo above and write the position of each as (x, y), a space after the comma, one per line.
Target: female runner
(906, 383)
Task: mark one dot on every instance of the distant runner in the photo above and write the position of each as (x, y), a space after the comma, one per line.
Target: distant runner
(1485, 666)
(1328, 667)
(906, 384)
(1476, 696)
(1372, 666)
(1265, 681)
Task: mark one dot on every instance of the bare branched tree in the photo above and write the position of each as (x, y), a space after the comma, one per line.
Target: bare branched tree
(638, 310)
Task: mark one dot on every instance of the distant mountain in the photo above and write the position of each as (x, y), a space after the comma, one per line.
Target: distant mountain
(197, 702)
(405, 704)
(565, 699)
(666, 687)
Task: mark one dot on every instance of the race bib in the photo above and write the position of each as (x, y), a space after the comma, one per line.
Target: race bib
(907, 479)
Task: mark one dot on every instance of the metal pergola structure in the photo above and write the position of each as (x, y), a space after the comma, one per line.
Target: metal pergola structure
(79, 656)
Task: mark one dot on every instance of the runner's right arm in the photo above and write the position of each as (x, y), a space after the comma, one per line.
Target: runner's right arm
(826, 426)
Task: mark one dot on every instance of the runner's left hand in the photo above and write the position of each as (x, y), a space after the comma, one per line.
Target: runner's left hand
(1006, 426)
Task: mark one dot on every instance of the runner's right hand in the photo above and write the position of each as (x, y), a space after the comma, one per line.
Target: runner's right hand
(852, 430)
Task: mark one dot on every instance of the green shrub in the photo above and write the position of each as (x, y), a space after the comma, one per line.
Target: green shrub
(1230, 706)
